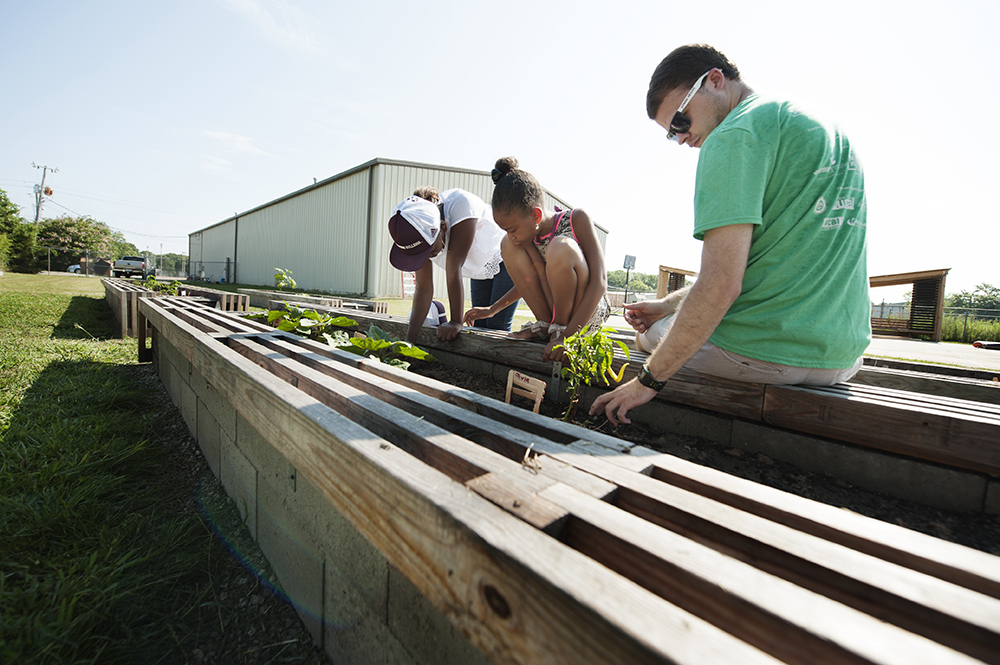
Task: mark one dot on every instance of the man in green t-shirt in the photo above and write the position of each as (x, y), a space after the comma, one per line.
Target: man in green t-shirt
(782, 294)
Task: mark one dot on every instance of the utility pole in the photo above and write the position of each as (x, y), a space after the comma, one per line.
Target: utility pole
(41, 191)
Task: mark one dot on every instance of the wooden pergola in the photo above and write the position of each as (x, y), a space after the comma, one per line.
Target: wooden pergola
(926, 304)
(671, 279)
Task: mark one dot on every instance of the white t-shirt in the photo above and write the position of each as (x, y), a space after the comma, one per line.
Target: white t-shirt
(483, 260)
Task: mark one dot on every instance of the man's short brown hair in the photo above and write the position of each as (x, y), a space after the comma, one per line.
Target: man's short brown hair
(682, 68)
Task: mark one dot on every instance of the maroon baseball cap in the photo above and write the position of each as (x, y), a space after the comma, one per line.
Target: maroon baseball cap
(414, 227)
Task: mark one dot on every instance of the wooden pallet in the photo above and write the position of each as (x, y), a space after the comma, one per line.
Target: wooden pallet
(954, 432)
(122, 296)
(227, 301)
(545, 542)
(262, 298)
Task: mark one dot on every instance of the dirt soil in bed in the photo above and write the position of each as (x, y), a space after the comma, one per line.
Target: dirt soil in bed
(979, 531)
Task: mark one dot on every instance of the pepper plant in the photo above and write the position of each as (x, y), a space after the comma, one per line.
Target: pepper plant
(588, 359)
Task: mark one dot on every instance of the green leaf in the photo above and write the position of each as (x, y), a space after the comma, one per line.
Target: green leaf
(370, 343)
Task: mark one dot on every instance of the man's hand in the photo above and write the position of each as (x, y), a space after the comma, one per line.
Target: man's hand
(641, 315)
(621, 400)
(449, 331)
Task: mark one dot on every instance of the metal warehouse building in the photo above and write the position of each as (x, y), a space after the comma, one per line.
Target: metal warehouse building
(332, 235)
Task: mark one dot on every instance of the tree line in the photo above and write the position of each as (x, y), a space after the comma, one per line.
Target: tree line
(25, 246)
(638, 282)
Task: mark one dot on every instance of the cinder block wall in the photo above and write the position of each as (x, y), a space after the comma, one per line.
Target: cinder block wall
(358, 607)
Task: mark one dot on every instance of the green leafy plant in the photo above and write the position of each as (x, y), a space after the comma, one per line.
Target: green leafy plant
(306, 322)
(159, 287)
(325, 328)
(589, 356)
(283, 278)
(385, 348)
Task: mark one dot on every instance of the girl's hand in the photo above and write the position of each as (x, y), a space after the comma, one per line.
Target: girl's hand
(475, 314)
(448, 331)
(555, 355)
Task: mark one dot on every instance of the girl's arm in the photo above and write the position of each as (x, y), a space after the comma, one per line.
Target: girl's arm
(423, 293)
(460, 239)
(486, 312)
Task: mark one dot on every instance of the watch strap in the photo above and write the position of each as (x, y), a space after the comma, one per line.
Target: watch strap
(646, 379)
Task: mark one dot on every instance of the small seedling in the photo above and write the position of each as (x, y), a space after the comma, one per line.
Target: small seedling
(283, 278)
(589, 358)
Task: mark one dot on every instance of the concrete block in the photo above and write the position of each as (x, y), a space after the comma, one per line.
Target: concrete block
(895, 475)
(294, 557)
(367, 642)
(239, 477)
(209, 438)
(423, 629)
(272, 467)
(215, 403)
(992, 503)
(187, 403)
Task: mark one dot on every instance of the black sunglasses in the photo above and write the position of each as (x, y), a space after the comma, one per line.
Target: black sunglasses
(680, 122)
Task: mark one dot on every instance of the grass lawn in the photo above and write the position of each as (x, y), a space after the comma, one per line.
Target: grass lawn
(98, 563)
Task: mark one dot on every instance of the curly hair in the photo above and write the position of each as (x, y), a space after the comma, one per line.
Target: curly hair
(428, 193)
(515, 189)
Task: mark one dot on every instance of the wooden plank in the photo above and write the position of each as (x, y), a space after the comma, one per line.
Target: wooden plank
(260, 298)
(790, 623)
(963, 619)
(929, 384)
(516, 593)
(922, 553)
(511, 484)
(901, 425)
(508, 442)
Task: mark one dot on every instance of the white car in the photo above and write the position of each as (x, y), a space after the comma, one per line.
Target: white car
(74, 268)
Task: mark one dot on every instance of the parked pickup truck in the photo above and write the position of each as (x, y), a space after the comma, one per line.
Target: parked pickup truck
(127, 266)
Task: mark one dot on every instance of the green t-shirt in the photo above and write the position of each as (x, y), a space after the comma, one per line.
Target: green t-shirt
(805, 299)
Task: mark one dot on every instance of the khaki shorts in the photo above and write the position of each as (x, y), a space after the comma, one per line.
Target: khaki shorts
(710, 359)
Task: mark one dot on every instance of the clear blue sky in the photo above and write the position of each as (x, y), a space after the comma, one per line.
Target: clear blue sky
(164, 118)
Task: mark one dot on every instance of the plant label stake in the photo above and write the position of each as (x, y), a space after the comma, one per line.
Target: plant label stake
(556, 374)
(526, 386)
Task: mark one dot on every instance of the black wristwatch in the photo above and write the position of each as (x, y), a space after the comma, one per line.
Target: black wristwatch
(646, 379)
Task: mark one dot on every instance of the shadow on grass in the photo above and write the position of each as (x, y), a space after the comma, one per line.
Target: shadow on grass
(86, 317)
(97, 563)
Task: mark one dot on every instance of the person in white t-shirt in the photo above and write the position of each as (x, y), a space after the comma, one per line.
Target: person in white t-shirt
(455, 230)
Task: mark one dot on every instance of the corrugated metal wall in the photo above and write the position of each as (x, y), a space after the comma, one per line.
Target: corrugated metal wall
(333, 235)
(319, 234)
(209, 250)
